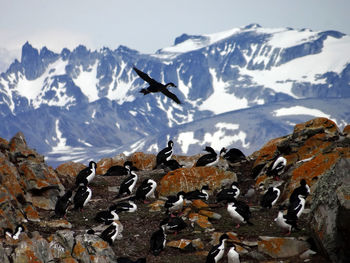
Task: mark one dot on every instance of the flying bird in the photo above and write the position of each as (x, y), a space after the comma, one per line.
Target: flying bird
(155, 86)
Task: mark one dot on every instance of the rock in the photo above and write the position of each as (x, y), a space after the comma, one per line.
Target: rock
(156, 206)
(330, 214)
(58, 223)
(199, 204)
(181, 244)
(104, 164)
(346, 131)
(197, 244)
(307, 254)
(210, 214)
(190, 179)
(314, 126)
(68, 171)
(143, 161)
(200, 220)
(281, 247)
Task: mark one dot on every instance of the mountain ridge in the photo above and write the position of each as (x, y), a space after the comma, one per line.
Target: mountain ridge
(92, 97)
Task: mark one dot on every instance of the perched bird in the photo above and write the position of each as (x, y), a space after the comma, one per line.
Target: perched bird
(233, 155)
(232, 255)
(174, 203)
(128, 206)
(110, 233)
(174, 224)
(296, 206)
(146, 189)
(18, 231)
(209, 159)
(107, 216)
(86, 175)
(155, 86)
(128, 185)
(239, 211)
(287, 222)
(228, 194)
(303, 190)
(198, 194)
(277, 167)
(82, 197)
(118, 170)
(270, 197)
(165, 154)
(62, 204)
(158, 240)
(217, 252)
(127, 260)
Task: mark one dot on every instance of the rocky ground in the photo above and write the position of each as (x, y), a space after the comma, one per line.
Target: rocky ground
(29, 189)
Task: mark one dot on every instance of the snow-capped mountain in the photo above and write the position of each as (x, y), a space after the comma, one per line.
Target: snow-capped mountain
(84, 100)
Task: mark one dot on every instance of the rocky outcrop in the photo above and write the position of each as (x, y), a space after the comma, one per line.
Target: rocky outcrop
(190, 179)
(27, 183)
(316, 151)
(330, 212)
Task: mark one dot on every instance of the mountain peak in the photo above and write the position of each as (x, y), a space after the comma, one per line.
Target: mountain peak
(252, 26)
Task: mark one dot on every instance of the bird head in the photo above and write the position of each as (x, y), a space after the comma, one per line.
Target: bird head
(170, 84)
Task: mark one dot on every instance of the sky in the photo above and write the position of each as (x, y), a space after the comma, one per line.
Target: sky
(149, 25)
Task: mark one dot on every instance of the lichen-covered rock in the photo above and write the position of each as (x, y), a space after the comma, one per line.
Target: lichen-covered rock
(143, 161)
(104, 164)
(282, 247)
(346, 131)
(181, 244)
(189, 179)
(68, 171)
(330, 213)
(200, 220)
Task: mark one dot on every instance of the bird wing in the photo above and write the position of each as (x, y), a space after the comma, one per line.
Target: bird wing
(145, 77)
(268, 198)
(108, 232)
(170, 95)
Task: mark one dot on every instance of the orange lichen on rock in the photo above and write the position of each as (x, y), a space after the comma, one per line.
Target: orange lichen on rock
(69, 260)
(189, 179)
(200, 220)
(199, 204)
(70, 168)
(328, 126)
(100, 244)
(31, 213)
(267, 152)
(181, 244)
(143, 161)
(272, 245)
(346, 131)
(78, 249)
(312, 146)
(31, 258)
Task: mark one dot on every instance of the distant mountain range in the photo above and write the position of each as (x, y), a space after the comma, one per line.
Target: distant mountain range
(239, 88)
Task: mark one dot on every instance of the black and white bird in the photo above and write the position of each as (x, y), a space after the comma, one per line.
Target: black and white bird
(127, 186)
(63, 203)
(18, 231)
(110, 233)
(158, 240)
(118, 170)
(8, 233)
(86, 175)
(128, 206)
(128, 260)
(174, 203)
(239, 212)
(146, 190)
(303, 190)
(232, 255)
(297, 206)
(82, 197)
(277, 167)
(165, 154)
(174, 224)
(286, 222)
(106, 216)
(210, 159)
(198, 194)
(233, 155)
(270, 197)
(217, 252)
(228, 194)
(155, 86)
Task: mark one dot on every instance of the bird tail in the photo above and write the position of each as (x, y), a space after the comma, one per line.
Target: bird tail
(144, 91)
